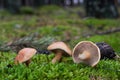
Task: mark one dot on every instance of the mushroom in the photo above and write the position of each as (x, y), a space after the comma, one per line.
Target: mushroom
(25, 55)
(59, 49)
(86, 52)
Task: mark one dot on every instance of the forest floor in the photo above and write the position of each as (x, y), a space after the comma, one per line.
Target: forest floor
(68, 25)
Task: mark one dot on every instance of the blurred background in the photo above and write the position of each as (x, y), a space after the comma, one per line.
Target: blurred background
(66, 20)
(93, 8)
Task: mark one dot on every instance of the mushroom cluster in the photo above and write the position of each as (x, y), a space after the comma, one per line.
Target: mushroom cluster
(58, 48)
(85, 51)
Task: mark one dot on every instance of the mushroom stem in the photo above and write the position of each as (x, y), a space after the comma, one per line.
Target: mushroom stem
(85, 55)
(57, 57)
(28, 62)
(16, 62)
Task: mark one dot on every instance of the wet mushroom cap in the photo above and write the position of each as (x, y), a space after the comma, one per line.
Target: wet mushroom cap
(90, 51)
(57, 46)
(25, 54)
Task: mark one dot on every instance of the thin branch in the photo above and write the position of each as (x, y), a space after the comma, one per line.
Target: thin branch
(108, 31)
(96, 32)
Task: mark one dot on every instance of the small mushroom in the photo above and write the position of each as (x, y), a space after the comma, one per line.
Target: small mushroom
(59, 49)
(86, 52)
(25, 55)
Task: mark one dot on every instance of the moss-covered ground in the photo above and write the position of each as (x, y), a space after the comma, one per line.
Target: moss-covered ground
(66, 25)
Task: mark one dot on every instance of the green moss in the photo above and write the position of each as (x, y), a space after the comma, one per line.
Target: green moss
(41, 68)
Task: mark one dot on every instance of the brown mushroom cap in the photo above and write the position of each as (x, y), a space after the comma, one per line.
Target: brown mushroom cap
(59, 49)
(86, 52)
(25, 54)
(59, 46)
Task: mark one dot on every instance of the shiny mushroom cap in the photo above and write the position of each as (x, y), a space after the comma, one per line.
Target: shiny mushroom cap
(59, 46)
(25, 54)
(59, 49)
(86, 52)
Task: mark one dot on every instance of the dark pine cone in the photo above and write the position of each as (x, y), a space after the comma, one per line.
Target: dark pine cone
(106, 50)
(43, 52)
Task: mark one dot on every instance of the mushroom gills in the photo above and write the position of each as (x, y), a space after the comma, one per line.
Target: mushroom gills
(86, 52)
